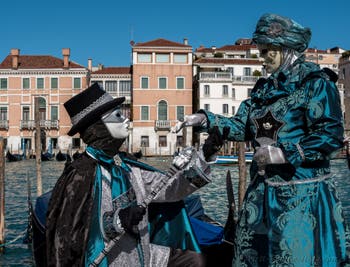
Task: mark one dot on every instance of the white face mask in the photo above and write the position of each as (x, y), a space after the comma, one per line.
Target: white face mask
(272, 57)
(116, 123)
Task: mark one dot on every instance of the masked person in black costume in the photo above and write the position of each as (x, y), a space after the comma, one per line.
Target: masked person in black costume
(104, 194)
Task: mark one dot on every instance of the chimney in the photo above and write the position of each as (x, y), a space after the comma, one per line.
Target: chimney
(185, 41)
(90, 64)
(100, 66)
(15, 57)
(66, 54)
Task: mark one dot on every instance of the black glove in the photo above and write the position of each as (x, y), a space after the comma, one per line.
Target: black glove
(214, 141)
(130, 217)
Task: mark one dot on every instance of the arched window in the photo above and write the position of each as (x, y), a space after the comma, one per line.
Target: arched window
(42, 108)
(162, 110)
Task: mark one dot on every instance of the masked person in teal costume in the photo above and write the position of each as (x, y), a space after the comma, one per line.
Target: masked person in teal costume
(107, 194)
(291, 215)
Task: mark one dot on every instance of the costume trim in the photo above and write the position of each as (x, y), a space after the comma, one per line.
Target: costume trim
(296, 182)
(301, 152)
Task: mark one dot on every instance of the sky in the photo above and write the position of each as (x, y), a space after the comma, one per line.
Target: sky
(102, 30)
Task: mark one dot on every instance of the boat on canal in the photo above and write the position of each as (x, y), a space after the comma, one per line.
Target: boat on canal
(233, 159)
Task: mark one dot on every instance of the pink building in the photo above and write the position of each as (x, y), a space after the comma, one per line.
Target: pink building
(162, 94)
(23, 78)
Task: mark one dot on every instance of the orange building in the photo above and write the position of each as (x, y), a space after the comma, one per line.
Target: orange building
(162, 94)
(23, 78)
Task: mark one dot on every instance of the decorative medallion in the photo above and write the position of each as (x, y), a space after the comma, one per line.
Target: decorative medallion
(267, 127)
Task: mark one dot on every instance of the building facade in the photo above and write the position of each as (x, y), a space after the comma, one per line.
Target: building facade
(344, 79)
(51, 80)
(162, 94)
(117, 82)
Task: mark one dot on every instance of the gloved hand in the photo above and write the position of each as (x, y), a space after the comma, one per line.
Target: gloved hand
(196, 119)
(183, 158)
(266, 155)
(130, 217)
(214, 141)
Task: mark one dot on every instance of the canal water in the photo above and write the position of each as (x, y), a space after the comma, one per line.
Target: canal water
(213, 198)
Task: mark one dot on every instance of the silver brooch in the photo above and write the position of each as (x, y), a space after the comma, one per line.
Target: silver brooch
(275, 29)
(117, 160)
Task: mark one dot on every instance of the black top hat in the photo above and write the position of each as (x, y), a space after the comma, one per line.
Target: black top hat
(88, 106)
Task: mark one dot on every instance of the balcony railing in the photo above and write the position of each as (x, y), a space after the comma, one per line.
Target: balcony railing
(46, 124)
(215, 76)
(4, 124)
(226, 76)
(162, 125)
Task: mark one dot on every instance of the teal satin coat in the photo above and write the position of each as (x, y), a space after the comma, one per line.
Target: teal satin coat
(291, 216)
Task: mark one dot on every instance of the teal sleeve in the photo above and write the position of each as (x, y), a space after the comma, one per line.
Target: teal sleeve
(238, 124)
(324, 124)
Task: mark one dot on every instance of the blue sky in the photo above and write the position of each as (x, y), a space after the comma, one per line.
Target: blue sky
(102, 30)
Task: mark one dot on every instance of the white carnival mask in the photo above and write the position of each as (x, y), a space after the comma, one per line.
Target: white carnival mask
(272, 56)
(116, 123)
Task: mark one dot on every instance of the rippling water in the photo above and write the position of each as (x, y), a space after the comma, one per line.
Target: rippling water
(213, 198)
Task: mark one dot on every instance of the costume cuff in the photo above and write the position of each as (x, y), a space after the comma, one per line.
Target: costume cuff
(111, 224)
(294, 153)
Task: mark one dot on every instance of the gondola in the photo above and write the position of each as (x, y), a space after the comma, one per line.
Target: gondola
(214, 239)
(13, 157)
(63, 156)
(47, 156)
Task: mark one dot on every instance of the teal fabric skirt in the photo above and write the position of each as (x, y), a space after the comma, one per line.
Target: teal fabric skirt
(295, 224)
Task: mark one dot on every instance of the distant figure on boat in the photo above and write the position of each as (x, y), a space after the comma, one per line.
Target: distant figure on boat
(291, 215)
(102, 212)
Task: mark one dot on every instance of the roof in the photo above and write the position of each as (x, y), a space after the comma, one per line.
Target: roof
(236, 47)
(231, 61)
(161, 43)
(113, 70)
(37, 62)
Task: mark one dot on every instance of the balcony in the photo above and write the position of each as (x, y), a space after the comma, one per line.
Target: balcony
(4, 124)
(162, 125)
(215, 76)
(245, 79)
(46, 124)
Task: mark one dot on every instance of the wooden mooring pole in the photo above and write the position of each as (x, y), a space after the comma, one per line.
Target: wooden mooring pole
(242, 170)
(2, 193)
(38, 148)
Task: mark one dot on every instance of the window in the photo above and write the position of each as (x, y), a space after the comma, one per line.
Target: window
(162, 110)
(225, 108)
(124, 88)
(54, 143)
(144, 141)
(225, 90)
(77, 83)
(231, 70)
(40, 83)
(25, 113)
(247, 72)
(111, 86)
(144, 82)
(249, 91)
(75, 142)
(100, 83)
(180, 113)
(54, 83)
(144, 113)
(180, 58)
(207, 107)
(206, 90)
(233, 93)
(54, 113)
(26, 83)
(3, 113)
(162, 58)
(180, 82)
(233, 110)
(162, 82)
(162, 141)
(180, 140)
(144, 58)
(3, 83)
